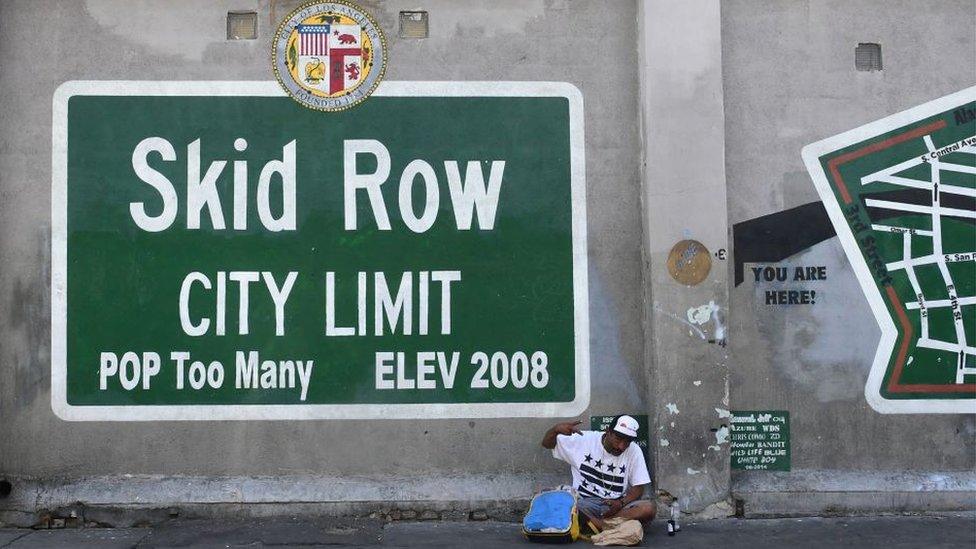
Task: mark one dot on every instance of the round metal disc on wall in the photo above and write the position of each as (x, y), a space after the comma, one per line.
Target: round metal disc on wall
(689, 262)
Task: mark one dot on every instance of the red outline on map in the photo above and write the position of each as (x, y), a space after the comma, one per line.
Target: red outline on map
(835, 163)
(894, 385)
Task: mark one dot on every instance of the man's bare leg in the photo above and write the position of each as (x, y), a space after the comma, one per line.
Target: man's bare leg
(643, 511)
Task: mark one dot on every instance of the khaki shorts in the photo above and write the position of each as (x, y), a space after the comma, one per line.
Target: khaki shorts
(596, 507)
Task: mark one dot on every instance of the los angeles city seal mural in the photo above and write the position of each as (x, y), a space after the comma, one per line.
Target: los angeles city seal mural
(329, 55)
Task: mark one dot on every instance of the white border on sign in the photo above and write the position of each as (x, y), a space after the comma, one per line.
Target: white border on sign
(59, 265)
(889, 333)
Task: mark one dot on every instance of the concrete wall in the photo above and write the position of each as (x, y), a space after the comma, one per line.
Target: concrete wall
(790, 80)
(684, 199)
(695, 115)
(430, 460)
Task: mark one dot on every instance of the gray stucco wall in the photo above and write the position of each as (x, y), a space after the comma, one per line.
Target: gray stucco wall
(684, 199)
(746, 85)
(184, 40)
(790, 80)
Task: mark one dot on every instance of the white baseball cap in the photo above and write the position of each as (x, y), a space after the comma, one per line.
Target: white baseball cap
(627, 426)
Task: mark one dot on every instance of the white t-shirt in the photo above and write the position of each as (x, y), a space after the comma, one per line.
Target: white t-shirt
(596, 472)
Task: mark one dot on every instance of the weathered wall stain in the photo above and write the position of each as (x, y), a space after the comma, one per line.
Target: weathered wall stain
(697, 319)
(27, 348)
(701, 314)
(167, 20)
(814, 346)
(612, 378)
(692, 329)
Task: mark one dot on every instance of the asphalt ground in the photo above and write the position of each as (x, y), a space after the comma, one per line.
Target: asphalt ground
(956, 530)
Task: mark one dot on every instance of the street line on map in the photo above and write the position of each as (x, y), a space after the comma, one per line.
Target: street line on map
(961, 369)
(930, 259)
(958, 168)
(897, 180)
(910, 271)
(937, 303)
(891, 170)
(916, 184)
(893, 229)
(915, 208)
(940, 345)
(937, 167)
(953, 189)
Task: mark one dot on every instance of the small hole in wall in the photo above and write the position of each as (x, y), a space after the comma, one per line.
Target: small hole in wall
(867, 57)
(242, 25)
(740, 508)
(414, 24)
(5, 488)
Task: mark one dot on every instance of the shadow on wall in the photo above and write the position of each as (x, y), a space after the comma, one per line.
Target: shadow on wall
(774, 237)
(29, 331)
(812, 346)
(612, 380)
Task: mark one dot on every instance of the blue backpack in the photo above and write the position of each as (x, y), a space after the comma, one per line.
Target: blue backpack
(552, 517)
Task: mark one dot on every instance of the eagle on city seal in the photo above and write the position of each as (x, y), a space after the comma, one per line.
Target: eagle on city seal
(329, 56)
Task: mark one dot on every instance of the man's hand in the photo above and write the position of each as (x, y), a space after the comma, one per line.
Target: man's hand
(568, 428)
(615, 506)
(565, 428)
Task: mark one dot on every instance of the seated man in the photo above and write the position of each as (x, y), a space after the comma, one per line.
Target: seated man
(609, 472)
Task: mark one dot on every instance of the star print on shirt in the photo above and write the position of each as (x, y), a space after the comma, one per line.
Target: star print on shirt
(588, 458)
(623, 469)
(611, 467)
(598, 464)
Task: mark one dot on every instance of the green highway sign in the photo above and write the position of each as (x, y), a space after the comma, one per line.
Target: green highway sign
(220, 252)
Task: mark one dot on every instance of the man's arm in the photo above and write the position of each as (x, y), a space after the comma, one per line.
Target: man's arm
(633, 494)
(565, 428)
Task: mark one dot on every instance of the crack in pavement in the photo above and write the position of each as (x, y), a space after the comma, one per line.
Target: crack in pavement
(25, 534)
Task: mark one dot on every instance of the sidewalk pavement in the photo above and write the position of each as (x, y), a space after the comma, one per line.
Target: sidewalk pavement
(888, 532)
